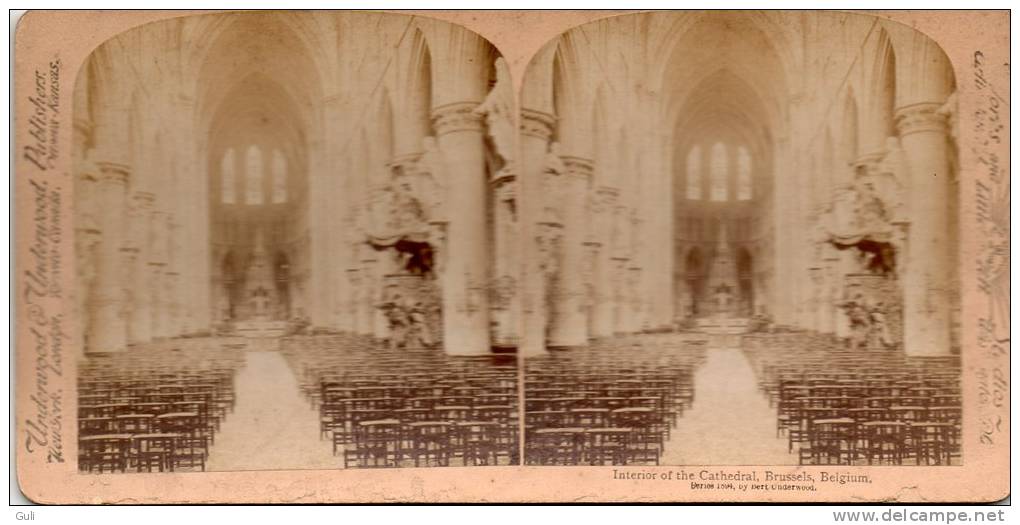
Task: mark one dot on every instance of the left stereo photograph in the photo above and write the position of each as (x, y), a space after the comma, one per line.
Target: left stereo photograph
(269, 270)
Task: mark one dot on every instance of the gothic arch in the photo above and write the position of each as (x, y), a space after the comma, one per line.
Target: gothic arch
(883, 91)
(850, 129)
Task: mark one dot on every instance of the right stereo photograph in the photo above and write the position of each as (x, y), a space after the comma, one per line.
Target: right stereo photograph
(742, 233)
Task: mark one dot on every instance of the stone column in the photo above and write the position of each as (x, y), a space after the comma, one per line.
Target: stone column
(365, 306)
(108, 327)
(140, 313)
(926, 294)
(620, 246)
(377, 268)
(465, 298)
(783, 257)
(157, 268)
(173, 290)
(507, 304)
(87, 241)
(602, 313)
(536, 129)
(320, 220)
(197, 221)
(571, 326)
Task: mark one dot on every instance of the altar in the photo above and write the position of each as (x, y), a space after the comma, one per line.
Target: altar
(256, 328)
(723, 308)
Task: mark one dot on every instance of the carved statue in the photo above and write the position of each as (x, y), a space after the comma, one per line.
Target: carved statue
(498, 109)
(860, 218)
(431, 173)
(552, 179)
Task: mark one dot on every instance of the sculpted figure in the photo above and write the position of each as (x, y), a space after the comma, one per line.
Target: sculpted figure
(499, 113)
(432, 179)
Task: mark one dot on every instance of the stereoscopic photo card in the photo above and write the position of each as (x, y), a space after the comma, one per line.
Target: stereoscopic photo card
(512, 256)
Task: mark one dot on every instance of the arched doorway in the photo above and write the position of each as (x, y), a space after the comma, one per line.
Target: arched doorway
(254, 107)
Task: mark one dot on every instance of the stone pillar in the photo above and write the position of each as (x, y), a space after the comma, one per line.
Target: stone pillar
(108, 327)
(87, 241)
(140, 313)
(620, 307)
(635, 300)
(173, 290)
(507, 304)
(536, 129)
(365, 306)
(465, 278)
(158, 267)
(601, 323)
(571, 326)
(376, 271)
(926, 301)
(320, 219)
(782, 292)
(197, 221)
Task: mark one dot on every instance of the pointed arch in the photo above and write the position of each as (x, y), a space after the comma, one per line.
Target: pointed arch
(848, 139)
(600, 140)
(693, 173)
(718, 168)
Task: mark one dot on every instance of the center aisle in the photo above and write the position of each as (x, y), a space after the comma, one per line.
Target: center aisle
(730, 422)
(272, 426)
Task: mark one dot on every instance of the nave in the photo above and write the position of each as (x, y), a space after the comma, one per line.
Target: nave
(272, 427)
(308, 402)
(760, 399)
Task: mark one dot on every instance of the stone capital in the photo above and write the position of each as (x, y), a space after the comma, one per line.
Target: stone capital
(538, 124)
(408, 162)
(867, 164)
(923, 117)
(578, 167)
(458, 116)
(113, 172)
(144, 200)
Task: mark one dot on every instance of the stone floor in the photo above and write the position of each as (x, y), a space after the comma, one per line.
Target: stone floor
(730, 422)
(272, 427)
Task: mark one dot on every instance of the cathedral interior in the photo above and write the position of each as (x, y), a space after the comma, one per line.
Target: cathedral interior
(742, 252)
(264, 234)
(323, 240)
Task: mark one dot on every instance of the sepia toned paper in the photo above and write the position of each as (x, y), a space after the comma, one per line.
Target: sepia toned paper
(231, 224)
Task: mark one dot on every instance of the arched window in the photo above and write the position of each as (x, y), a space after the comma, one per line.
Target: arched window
(228, 179)
(253, 176)
(743, 174)
(719, 169)
(279, 177)
(694, 173)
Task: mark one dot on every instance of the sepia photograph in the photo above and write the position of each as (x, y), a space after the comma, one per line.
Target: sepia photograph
(511, 256)
(271, 271)
(744, 243)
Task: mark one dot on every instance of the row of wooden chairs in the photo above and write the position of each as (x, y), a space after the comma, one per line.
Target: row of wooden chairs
(615, 402)
(153, 408)
(838, 405)
(384, 407)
